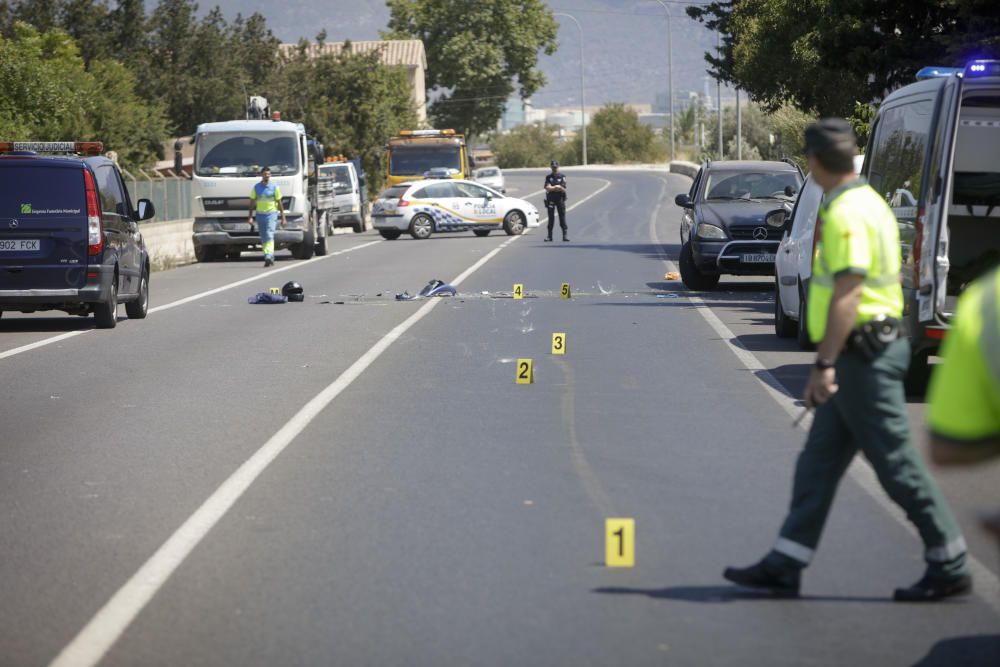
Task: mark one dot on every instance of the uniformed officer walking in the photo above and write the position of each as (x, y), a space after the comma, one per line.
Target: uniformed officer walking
(855, 302)
(555, 200)
(964, 395)
(265, 200)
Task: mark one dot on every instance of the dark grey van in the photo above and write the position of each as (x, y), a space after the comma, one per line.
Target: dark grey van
(934, 154)
(69, 236)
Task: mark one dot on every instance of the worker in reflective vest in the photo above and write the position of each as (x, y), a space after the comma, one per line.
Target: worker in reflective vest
(855, 304)
(265, 201)
(964, 395)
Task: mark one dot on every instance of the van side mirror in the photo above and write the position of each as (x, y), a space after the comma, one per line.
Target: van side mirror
(683, 200)
(145, 209)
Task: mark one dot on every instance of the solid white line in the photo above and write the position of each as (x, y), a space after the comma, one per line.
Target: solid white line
(180, 302)
(103, 630)
(987, 584)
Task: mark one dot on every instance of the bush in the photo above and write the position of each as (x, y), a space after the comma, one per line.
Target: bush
(527, 146)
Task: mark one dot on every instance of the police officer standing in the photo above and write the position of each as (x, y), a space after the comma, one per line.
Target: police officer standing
(855, 302)
(265, 199)
(555, 200)
(964, 395)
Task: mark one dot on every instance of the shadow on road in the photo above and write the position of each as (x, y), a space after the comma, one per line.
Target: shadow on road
(47, 324)
(716, 594)
(972, 651)
(646, 250)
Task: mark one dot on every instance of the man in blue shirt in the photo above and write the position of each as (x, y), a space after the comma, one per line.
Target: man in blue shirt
(265, 200)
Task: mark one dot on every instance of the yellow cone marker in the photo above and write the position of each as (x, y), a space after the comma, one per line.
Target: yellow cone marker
(518, 291)
(525, 372)
(558, 343)
(565, 292)
(275, 290)
(619, 542)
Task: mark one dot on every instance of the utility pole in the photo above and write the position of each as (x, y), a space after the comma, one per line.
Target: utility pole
(583, 106)
(718, 93)
(739, 127)
(670, 75)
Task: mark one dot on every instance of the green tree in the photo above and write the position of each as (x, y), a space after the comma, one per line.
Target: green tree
(476, 50)
(51, 96)
(526, 146)
(616, 135)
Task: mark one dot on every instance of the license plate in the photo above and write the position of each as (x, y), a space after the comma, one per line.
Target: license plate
(236, 226)
(757, 259)
(20, 245)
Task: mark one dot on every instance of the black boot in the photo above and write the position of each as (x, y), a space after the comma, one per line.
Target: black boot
(780, 583)
(931, 589)
(565, 236)
(549, 237)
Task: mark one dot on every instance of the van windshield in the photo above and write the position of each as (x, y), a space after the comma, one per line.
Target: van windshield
(341, 174)
(234, 154)
(416, 160)
(34, 192)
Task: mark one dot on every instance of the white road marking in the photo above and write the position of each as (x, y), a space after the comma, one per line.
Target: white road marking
(987, 584)
(195, 297)
(103, 630)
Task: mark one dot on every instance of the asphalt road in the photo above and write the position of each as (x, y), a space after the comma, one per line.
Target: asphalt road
(355, 481)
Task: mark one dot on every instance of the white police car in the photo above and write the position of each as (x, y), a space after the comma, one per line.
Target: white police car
(446, 205)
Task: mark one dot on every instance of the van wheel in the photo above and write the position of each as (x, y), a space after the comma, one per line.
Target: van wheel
(136, 310)
(692, 278)
(513, 223)
(106, 312)
(390, 234)
(802, 332)
(784, 326)
(421, 227)
(481, 232)
(919, 375)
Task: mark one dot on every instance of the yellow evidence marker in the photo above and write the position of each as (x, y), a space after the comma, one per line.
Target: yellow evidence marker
(558, 343)
(275, 290)
(565, 292)
(518, 291)
(525, 372)
(619, 542)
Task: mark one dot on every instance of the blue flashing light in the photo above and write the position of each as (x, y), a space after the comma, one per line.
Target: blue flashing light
(980, 68)
(936, 72)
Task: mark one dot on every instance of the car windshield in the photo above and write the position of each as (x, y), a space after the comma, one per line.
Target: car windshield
(417, 160)
(234, 154)
(722, 185)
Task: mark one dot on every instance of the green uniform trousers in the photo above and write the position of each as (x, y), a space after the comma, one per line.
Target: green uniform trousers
(868, 413)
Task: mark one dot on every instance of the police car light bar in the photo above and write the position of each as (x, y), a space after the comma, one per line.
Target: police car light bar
(81, 147)
(979, 68)
(936, 72)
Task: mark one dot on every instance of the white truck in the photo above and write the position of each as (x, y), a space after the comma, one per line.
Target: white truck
(340, 196)
(228, 158)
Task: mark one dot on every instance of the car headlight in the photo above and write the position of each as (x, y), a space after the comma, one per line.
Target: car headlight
(776, 218)
(707, 231)
(204, 226)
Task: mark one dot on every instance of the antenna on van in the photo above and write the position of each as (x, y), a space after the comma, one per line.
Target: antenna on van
(258, 108)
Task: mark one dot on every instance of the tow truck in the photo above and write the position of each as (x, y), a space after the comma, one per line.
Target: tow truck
(417, 154)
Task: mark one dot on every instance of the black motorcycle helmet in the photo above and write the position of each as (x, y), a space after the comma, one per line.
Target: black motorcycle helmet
(293, 291)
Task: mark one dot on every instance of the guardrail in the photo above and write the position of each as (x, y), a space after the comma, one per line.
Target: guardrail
(171, 195)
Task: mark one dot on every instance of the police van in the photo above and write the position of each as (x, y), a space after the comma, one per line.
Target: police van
(934, 154)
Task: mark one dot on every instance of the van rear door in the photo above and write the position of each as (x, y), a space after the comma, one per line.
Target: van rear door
(43, 225)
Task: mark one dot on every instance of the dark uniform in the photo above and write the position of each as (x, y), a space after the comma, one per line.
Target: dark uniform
(859, 235)
(556, 201)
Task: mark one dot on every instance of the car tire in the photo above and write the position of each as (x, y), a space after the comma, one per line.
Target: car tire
(359, 225)
(481, 232)
(692, 278)
(390, 234)
(919, 375)
(106, 312)
(421, 227)
(136, 310)
(513, 223)
(784, 326)
(802, 330)
(206, 253)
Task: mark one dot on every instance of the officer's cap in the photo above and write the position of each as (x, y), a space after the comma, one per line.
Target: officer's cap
(831, 135)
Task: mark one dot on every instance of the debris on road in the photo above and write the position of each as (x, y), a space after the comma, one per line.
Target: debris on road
(433, 288)
(267, 297)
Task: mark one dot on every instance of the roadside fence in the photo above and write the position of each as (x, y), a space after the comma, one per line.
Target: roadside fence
(171, 195)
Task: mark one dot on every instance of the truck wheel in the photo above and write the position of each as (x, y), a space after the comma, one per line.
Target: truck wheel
(106, 312)
(321, 235)
(390, 234)
(692, 278)
(421, 227)
(784, 326)
(136, 310)
(205, 253)
(513, 223)
(305, 249)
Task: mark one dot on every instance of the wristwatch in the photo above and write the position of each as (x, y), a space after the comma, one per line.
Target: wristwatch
(823, 364)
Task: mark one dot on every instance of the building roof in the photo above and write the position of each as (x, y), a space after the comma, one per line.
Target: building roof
(409, 52)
